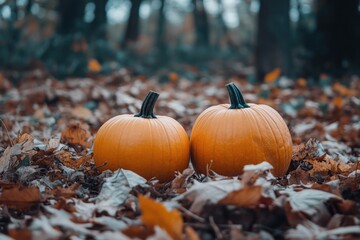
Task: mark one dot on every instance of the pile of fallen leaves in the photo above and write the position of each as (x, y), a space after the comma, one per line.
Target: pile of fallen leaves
(50, 188)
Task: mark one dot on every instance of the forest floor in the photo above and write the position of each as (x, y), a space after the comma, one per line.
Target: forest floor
(50, 188)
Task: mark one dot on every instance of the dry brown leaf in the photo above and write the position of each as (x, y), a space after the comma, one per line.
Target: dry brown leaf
(327, 166)
(24, 138)
(138, 232)
(77, 133)
(178, 185)
(81, 112)
(4, 83)
(20, 234)
(273, 75)
(20, 197)
(68, 160)
(64, 192)
(155, 214)
(250, 196)
(298, 152)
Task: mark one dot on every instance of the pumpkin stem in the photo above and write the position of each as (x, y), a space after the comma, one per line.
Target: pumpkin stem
(147, 106)
(238, 100)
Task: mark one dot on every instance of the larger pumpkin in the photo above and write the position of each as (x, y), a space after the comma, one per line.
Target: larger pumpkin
(226, 137)
(152, 146)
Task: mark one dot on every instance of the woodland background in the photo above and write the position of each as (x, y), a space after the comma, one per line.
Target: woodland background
(68, 66)
(304, 38)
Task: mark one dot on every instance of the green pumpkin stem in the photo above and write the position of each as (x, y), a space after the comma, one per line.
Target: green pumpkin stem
(236, 98)
(147, 107)
(238, 92)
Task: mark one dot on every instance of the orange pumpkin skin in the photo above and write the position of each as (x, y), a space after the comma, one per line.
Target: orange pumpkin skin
(151, 147)
(225, 140)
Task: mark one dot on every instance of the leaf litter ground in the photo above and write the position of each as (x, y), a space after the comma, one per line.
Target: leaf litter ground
(50, 188)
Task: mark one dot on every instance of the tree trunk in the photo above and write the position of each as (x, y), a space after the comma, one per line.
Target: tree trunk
(98, 25)
(132, 28)
(224, 31)
(160, 41)
(28, 7)
(201, 24)
(337, 44)
(71, 14)
(273, 38)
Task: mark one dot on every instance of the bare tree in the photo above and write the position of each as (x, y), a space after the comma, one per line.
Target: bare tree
(98, 25)
(273, 37)
(337, 37)
(133, 23)
(201, 23)
(71, 16)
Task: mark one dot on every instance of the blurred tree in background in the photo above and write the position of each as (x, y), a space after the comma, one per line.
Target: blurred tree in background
(246, 37)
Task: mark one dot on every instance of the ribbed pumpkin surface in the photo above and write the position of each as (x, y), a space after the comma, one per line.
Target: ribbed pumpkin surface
(225, 140)
(151, 146)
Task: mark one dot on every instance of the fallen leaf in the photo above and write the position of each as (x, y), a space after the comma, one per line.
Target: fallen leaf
(155, 214)
(301, 82)
(5, 160)
(309, 230)
(273, 75)
(94, 65)
(67, 192)
(115, 190)
(309, 201)
(77, 133)
(20, 234)
(178, 185)
(209, 192)
(68, 160)
(20, 197)
(138, 232)
(81, 112)
(245, 197)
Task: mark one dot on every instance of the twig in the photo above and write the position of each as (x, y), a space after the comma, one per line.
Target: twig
(191, 214)
(215, 228)
(7, 132)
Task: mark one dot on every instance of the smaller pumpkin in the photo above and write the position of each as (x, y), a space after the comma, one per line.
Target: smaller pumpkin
(151, 146)
(226, 137)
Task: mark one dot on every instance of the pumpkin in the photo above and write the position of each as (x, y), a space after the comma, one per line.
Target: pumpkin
(226, 137)
(149, 145)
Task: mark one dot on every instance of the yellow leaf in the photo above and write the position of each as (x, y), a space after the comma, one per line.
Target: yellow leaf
(273, 75)
(155, 214)
(94, 65)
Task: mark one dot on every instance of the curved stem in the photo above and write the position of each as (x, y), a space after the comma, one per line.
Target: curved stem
(234, 99)
(147, 106)
(240, 96)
